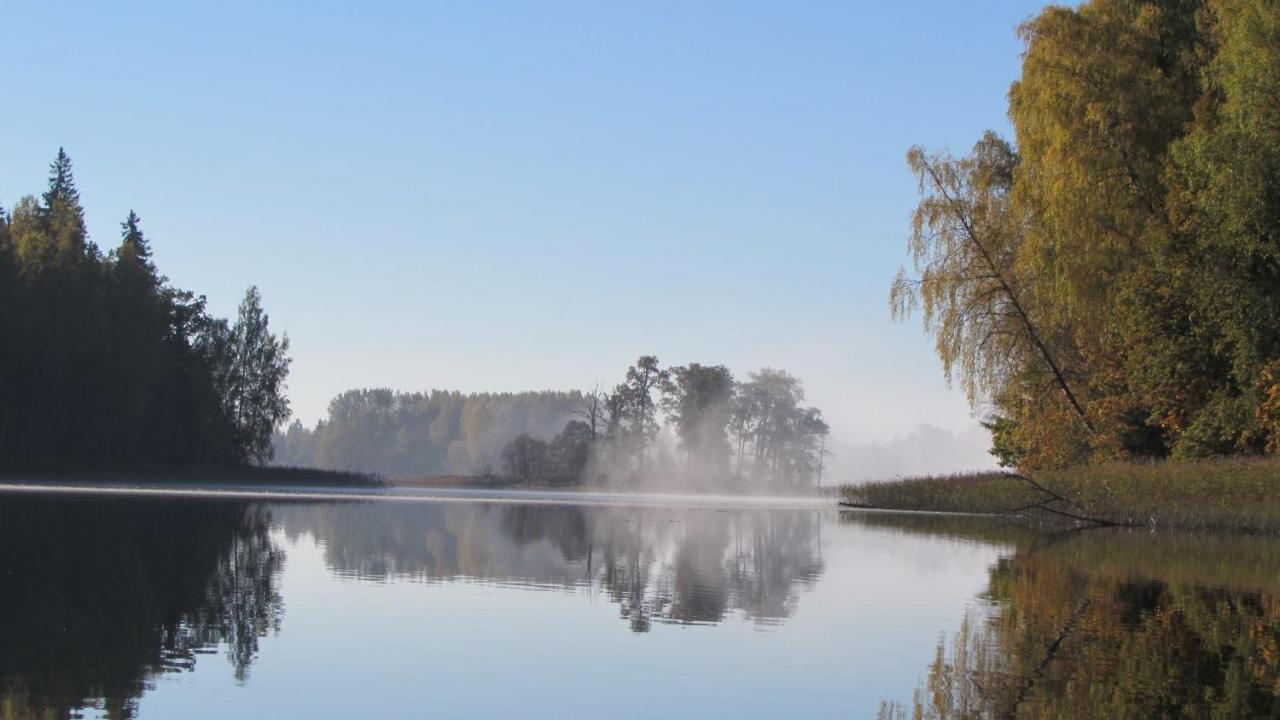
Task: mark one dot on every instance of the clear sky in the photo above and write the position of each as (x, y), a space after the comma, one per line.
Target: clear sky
(494, 196)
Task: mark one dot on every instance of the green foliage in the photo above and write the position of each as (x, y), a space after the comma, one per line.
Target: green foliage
(1004, 442)
(253, 386)
(1135, 236)
(62, 217)
(101, 361)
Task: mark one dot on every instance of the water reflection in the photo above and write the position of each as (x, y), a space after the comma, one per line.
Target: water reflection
(669, 566)
(100, 598)
(1116, 624)
(97, 597)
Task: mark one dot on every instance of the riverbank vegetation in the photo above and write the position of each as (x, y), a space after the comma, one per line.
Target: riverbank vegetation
(1107, 286)
(1236, 494)
(104, 363)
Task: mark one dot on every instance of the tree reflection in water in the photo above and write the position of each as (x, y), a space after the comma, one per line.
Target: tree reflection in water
(97, 597)
(1113, 624)
(669, 566)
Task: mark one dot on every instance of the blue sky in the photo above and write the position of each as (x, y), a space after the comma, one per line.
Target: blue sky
(525, 195)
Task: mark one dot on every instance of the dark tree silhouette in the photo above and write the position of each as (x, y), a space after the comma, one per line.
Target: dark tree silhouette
(102, 361)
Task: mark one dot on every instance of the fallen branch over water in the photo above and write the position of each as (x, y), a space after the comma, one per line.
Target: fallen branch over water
(1055, 497)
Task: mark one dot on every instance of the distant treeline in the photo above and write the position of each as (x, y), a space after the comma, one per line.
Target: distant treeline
(756, 430)
(415, 434)
(1109, 285)
(103, 362)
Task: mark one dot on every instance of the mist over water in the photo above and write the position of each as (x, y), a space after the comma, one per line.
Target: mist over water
(926, 450)
(691, 428)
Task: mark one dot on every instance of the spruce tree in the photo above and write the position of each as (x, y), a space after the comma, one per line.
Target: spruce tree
(62, 184)
(134, 245)
(133, 267)
(63, 215)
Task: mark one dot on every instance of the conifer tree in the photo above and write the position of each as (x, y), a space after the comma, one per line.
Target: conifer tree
(63, 216)
(134, 245)
(101, 361)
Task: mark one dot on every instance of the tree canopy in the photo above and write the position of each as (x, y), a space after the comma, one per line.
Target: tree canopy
(1108, 286)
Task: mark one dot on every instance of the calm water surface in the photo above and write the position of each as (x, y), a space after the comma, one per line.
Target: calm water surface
(217, 607)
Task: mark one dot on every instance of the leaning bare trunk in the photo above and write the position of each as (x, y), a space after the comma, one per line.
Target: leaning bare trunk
(1032, 333)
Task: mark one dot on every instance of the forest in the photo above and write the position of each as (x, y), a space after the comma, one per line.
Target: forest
(395, 433)
(692, 423)
(1106, 284)
(103, 362)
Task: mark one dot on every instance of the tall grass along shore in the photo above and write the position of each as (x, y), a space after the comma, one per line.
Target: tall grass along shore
(1241, 494)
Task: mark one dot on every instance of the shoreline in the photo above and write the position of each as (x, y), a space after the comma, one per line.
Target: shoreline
(74, 473)
(1226, 494)
(320, 493)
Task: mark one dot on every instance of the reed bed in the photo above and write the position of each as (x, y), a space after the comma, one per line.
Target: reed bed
(1241, 494)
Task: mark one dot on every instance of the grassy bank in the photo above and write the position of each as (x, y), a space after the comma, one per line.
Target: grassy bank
(1225, 494)
(157, 475)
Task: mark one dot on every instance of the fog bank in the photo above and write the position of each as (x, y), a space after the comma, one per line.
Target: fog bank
(926, 450)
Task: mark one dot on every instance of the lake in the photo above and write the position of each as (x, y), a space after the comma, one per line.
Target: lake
(303, 605)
